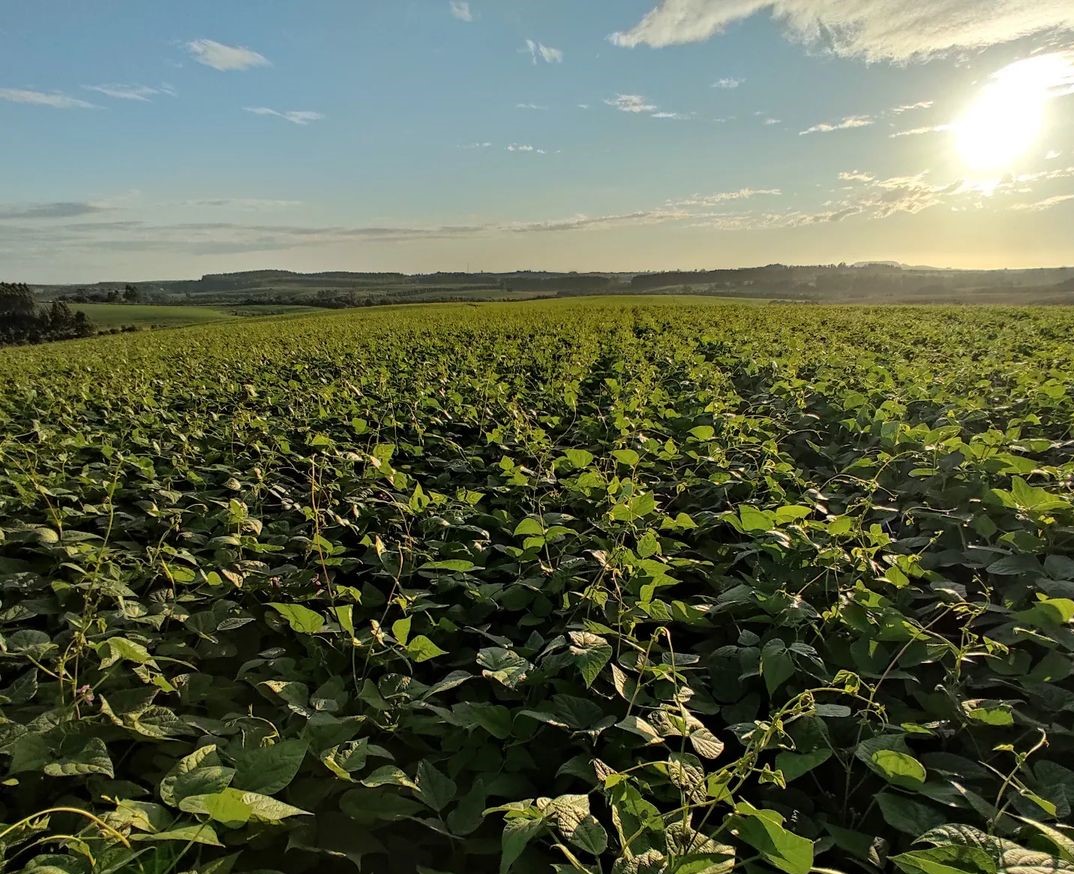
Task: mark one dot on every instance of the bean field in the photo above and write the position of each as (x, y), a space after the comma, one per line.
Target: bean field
(615, 585)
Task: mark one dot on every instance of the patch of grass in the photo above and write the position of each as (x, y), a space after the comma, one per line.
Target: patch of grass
(118, 315)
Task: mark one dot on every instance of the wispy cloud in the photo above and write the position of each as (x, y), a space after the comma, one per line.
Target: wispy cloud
(221, 56)
(59, 210)
(523, 147)
(848, 123)
(697, 200)
(51, 99)
(910, 107)
(771, 121)
(871, 29)
(631, 103)
(253, 204)
(636, 104)
(485, 145)
(919, 131)
(461, 10)
(141, 93)
(1052, 155)
(540, 52)
(1047, 203)
(728, 82)
(298, 116)
(534, 106)
(856, 176)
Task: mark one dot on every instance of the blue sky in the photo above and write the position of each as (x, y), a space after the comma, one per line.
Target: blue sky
(156, 140)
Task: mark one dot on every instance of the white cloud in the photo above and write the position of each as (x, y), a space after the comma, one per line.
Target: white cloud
(477, 146)
(856, 176)
(772, 121)
(639, 105)
(521, 147)
(583, 106)
(728, 82)
(129, 92)
(51, 99)
(220, 56)
(848, 123)
(1047, 203)
(631, 103)
(871, 29)
(461, 10)
(918, 131)
(910, 107)
(540, 52)
(725, 197)
(535, 106)
(300, 116)
(1052, 155)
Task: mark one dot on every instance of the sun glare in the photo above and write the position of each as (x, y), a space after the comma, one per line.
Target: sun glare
(1007, 117)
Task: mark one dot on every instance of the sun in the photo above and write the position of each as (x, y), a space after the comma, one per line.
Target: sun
(1006, 118)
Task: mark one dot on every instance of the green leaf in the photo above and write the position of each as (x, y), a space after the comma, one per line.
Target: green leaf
(301, 619)
(1048, 613)
(421, 649)
(121, 649)
(203, 834)
(493, 718)
(517, 833)
(579, 458)
(503, 665)
(226, 807)
(453, 565)
(989, 712)
(268, 770)
(590, 653)
(899, 769)
(529, 527)
(794, 765)
(434, 787)
(388, 775)
(763, 830)
(946, 860)
(80, 755)
(777, 666)
(401, 629)
(907, 815)
(753, 519)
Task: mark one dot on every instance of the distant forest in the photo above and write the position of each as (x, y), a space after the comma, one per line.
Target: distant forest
(881, 282)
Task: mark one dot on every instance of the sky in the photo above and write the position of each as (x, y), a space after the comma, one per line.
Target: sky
(154, 140)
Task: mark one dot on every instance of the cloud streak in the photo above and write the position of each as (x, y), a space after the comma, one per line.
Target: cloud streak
(874, 30)
(636, 104)
(223, 57)
(51, 99)
(540, 52)
(298, 116)
(141, 93)
(848, 123)
(59, 210)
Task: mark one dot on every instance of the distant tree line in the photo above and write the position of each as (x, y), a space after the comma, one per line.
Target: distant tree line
(129, 294)
(22, 320)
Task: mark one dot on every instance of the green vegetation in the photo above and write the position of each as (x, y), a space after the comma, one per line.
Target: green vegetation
(600, 586)
(118, 315)
(23, 320)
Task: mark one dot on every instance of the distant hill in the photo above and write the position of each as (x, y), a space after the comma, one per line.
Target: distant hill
(870, 282)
